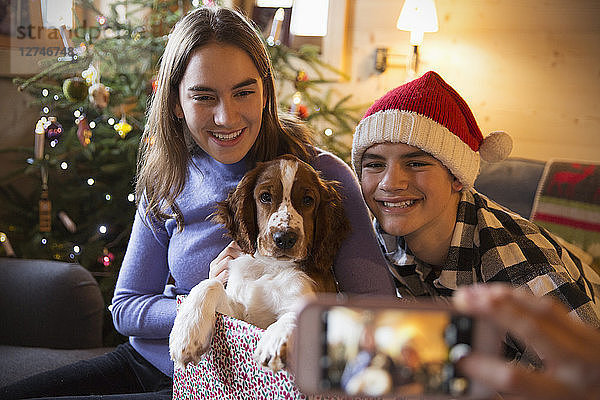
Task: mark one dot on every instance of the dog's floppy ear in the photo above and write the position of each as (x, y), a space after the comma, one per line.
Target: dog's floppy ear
(238, 213)
(331, 226)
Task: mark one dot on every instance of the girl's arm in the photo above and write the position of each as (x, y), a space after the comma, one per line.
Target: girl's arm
(359, 266)
(139, 306)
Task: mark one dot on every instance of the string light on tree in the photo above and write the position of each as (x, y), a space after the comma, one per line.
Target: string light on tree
(90, 181)
(102, 229)
(328, 132)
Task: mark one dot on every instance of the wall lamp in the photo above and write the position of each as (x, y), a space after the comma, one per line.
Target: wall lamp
(416, 17)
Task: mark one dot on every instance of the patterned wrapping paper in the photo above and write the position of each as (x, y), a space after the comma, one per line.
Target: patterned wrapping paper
(228, 371)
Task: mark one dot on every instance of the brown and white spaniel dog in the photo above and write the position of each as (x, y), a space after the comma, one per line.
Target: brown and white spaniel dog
(290, 223)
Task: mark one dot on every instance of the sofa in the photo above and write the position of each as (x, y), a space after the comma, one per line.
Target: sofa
(52, 312)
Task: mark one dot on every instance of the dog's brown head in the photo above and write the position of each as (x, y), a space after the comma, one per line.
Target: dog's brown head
(284, 209)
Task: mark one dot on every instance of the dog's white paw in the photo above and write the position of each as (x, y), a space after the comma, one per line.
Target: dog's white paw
(271, 349)
(190, 338)
(192, 331)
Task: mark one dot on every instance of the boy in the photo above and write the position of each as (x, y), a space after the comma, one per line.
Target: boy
(416, 153)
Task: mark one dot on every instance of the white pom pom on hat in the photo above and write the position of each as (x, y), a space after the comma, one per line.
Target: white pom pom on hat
(429, 114)
(496, 146)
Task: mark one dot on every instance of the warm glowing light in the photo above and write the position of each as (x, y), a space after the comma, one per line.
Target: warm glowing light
(309, 18)
(417, 17)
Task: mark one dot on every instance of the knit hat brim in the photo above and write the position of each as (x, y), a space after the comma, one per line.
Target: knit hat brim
(411, 128)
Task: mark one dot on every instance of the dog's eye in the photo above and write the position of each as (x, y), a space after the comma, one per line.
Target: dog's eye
(308, 201)
(265, 197)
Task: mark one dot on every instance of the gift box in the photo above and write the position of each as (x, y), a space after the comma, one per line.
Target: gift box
(228, 371)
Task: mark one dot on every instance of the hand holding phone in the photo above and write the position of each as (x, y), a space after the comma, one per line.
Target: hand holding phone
(386, 346)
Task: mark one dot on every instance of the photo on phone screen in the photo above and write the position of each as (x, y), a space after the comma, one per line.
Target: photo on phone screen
(398, 352)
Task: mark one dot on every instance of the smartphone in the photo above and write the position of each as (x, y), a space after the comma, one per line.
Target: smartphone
(361, 346)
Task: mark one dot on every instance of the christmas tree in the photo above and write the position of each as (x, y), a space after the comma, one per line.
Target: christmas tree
(92, 102)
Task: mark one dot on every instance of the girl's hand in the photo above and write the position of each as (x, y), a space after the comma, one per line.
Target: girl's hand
(219, 267)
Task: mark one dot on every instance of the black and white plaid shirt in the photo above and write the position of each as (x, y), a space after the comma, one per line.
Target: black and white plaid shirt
(493, 244)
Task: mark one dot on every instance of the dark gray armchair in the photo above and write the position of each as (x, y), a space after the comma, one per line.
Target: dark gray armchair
(51, 314)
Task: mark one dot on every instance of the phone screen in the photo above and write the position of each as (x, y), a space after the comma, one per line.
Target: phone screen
(393, 351)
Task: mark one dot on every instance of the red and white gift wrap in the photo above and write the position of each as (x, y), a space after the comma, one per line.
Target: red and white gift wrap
(228, 371)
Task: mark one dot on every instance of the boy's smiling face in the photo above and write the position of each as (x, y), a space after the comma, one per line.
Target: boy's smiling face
(410, 192)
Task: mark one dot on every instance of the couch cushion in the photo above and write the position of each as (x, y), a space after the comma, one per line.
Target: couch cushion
(49, 304)
(17, 363)
(511, 183)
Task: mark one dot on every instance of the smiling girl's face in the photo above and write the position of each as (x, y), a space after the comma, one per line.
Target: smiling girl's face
(409, 191)
(221, 100)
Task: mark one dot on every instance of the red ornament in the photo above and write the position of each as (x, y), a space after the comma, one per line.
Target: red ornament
(154, 85)
(302, 111)
(106, 258)
(84, 133)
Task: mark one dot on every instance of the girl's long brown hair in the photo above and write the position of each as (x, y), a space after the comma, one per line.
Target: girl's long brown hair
(165, 145)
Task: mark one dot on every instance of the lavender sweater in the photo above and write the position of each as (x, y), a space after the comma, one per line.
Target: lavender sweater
(144, 305)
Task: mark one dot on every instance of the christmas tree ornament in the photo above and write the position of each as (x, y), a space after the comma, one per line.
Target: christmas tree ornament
(8, 250)
(106, 258)
(154, 83)
(45, 212)
(84, 133)
(40, 139)
(75, 89)
(302, 111)
(301, 79)
(122, 127)
(67, 221)
(98, 95)
(91, 75)
(276, 26)
(53, 128)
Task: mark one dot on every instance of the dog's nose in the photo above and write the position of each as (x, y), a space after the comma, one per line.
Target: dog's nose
(285, 240)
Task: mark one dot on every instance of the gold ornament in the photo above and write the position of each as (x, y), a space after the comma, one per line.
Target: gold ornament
(122, 127)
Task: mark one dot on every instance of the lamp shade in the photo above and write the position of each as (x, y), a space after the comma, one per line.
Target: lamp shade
(274, 3)
(56, 13)
(418, 16)
(309, 17)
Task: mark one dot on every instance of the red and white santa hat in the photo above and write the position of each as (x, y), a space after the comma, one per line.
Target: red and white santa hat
(429, 114)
